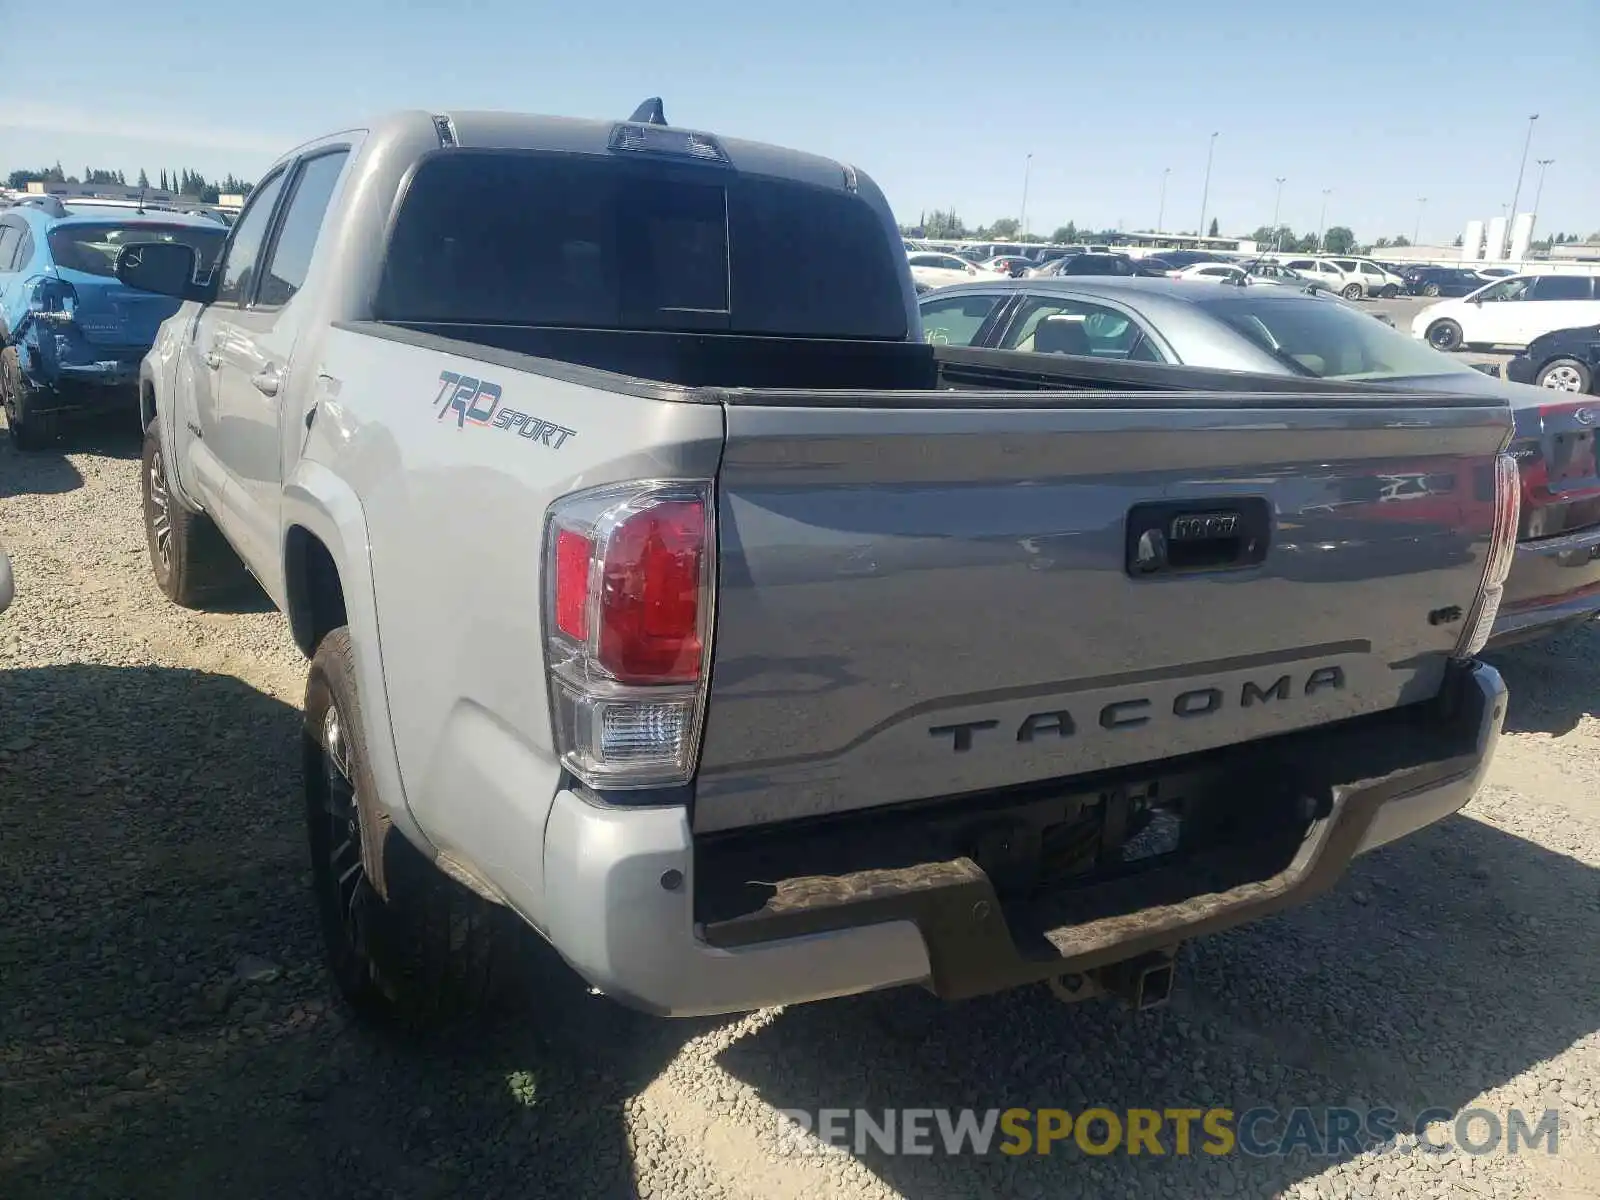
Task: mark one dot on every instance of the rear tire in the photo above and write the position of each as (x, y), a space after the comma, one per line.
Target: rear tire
(192, 561)
(1390, 291)
(1431, 289)
(1352, 291)
(28, 429)
(1566, 375)
(404, 942)
(1444, 335)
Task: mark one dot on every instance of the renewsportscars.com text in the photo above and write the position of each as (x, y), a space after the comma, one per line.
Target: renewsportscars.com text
(1258, 1132)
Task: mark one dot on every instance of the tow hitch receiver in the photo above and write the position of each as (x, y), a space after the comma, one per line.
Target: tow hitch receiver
(1142, 983)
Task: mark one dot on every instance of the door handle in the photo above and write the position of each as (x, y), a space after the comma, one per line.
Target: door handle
(266, 381)
(213, 360)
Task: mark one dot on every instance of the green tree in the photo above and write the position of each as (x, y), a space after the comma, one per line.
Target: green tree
(144, 180)
(1213, 232)
(1065, 233)
(1005, 227)
(1338, 240)
(163, 184)
(1457, 242)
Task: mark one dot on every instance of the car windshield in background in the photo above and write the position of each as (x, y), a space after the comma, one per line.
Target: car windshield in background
(515, 238)
(93, 249)
(1329, 340)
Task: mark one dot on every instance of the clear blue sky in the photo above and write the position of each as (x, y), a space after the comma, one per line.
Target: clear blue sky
(938, 99)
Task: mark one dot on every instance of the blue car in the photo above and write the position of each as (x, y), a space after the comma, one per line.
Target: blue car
(71, 335)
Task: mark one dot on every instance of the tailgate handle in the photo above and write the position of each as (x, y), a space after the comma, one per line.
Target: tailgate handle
(1187, 536)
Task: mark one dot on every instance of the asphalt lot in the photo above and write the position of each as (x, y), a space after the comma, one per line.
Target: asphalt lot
(167, 1031)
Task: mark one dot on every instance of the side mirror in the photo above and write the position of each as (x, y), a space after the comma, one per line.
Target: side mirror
(166, 268)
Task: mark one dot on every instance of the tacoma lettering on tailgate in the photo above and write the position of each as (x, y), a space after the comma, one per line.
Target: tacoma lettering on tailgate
(1139, 710)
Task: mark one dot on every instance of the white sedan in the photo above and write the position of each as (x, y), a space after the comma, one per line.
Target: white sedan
(1510, 312)
(941, 270)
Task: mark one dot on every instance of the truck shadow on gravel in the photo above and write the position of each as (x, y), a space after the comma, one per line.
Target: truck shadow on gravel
(1554, 683)
(43, 474)
(165, 1025)
(1441, 967)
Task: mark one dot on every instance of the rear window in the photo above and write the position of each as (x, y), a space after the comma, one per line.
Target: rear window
(93, 249)
(1326, 339)
(541, 239)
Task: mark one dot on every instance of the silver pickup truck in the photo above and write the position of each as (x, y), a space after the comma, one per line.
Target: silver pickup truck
(662, 587)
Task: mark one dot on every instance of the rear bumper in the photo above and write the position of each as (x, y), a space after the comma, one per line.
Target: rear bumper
(1554, 582)
(74, 373)
(620, 887)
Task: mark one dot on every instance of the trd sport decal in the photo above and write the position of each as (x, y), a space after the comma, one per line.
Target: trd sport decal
(477, 402)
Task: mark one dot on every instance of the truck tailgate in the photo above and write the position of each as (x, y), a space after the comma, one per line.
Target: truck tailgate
(931, 594)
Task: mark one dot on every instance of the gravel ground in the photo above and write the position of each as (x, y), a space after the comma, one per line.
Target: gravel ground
(166, 1031)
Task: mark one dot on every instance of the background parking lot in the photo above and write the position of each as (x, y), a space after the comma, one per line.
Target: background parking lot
(165, 1027)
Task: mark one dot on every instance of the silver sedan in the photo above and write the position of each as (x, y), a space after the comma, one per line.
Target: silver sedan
(1269, 330)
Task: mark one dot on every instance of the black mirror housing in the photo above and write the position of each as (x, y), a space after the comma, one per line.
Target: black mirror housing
(166, 268)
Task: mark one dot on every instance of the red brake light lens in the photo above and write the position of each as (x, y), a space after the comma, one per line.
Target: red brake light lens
(650, 595)
(574, 552)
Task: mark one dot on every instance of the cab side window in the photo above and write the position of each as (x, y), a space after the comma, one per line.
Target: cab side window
(244, 249)
(297, 233)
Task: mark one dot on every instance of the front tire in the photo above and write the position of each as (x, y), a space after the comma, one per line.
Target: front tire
(1566, 375)
(404, 942)
(192, 561)
(1352, 291)
(1390, 291)
(1431, 289)
(29, 429)
(1444, 335)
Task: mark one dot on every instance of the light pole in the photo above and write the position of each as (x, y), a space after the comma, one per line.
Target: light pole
(1322, 222)
(1027, 170)
(1277, 206)
(1538, 193)
(1416, 234)
(1161, 213)
(1205, 190)
(1523, 166)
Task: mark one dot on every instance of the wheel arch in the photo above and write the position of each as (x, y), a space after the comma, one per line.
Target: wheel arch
(327, 576)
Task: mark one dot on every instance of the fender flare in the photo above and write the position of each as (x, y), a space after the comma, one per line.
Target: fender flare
(327, 508)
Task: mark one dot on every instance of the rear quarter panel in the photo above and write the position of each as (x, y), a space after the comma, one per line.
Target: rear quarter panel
(454, 509)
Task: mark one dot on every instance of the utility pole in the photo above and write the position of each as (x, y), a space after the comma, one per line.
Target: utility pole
(1538, 193)
(1027, 170)
(1277, 205)
(1205, 191)
(1416, 234)
(1523, 166)
(1322, 222)
(1161, 212)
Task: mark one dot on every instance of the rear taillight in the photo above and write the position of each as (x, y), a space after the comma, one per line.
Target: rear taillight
(1502, 547)
(630, 584)
(1558, 467)
(52, 295)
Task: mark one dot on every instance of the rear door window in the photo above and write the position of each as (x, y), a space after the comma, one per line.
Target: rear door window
(297, 234)
(1560, 287)
(528, 238)
(956, 320)
(10, 242)
(1067, 325)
